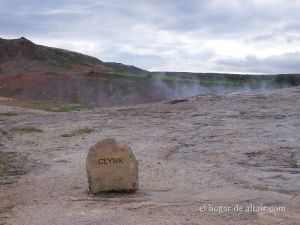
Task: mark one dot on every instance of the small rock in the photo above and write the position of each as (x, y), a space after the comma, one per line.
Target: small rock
(5, 215)
(111, 166)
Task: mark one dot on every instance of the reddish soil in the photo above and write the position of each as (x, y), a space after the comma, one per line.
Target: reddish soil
(30, 72)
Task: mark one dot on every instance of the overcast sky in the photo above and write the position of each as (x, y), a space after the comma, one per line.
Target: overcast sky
(249, 36)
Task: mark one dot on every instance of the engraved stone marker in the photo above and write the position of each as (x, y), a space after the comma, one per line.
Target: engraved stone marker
(111, 166)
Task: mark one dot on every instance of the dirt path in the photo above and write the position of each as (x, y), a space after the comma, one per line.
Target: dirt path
(217, 150)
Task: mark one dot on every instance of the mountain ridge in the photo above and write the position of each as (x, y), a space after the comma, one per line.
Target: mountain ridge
(23, 49)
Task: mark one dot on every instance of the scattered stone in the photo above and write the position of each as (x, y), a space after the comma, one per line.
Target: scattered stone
(111, 166)
(176, 101)
(5, 215)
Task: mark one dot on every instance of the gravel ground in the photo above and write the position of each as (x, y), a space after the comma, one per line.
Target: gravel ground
(200, 160)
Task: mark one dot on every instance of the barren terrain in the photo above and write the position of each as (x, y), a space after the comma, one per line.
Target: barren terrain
(220, 150)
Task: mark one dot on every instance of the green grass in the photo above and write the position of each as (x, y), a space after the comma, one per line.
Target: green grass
(62, 64)
(2, 160)
(56, 107)
(135, 76)
(9, 114)
(175, 79)
(85, 130)
(27, 130)
(67, 108)
(79, 99)
(117, 75)
(208, 83)
(29, 142)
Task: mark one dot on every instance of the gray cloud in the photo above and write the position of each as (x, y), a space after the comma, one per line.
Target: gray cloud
(190, 35)
(274, 64)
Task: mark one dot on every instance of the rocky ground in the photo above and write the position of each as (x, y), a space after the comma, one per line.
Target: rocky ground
(194, 154)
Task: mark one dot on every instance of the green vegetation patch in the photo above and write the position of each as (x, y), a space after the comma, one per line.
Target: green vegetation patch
(79, 99)
(116, 75)
(27, 130)
(56, 107)
(3, 161)
(51, 74)
(85, 130)
(66, 108)
(30, 142)
(9, 114)
(175, 79)
(135, 76)
(62, 64)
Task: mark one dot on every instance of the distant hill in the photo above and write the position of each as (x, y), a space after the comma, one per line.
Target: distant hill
(32, 72)
(122, 68)
(22, 50)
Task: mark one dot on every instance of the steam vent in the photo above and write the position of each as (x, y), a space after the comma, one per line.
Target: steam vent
(111, 166)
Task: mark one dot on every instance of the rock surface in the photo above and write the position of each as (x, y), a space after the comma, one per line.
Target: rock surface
(111, 166)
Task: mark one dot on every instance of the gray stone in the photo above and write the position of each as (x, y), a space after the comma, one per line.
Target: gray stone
(111, 166)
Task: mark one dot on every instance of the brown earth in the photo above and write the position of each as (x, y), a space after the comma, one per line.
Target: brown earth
(220, 150)
(34, 73)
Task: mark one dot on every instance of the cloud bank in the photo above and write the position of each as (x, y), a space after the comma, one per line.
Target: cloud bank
(250, 36)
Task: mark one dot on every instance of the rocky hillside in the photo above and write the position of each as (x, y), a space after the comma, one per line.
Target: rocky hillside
(21, 49)
(120, 67)
(31, 72)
